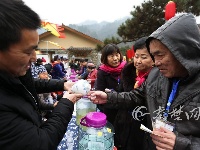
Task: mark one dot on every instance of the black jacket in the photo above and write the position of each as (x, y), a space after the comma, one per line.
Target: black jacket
(184, 43)
(128, 135)
(107, 80)
(21, 127)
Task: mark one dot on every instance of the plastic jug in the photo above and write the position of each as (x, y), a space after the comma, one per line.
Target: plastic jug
(84, 106)
(99, 134)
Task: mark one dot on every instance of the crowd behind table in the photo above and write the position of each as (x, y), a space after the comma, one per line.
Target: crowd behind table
(70, 139)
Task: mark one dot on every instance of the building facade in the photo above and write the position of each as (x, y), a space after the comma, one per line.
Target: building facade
(75, 45)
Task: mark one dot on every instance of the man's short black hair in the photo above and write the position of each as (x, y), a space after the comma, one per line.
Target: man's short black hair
(39, 61)
(14, 17)
(56, 57)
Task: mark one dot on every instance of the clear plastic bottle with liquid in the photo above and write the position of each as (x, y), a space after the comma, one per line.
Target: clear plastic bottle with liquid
(84, 106)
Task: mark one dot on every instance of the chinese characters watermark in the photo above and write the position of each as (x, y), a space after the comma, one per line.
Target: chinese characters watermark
(140, 111)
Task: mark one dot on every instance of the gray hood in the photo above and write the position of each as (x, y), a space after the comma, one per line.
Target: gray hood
(181, 35)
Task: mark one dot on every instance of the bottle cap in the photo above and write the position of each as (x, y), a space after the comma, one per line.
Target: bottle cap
(94, 119)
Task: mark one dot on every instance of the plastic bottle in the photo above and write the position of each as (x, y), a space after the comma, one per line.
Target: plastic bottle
(84, 106)
(99, 134)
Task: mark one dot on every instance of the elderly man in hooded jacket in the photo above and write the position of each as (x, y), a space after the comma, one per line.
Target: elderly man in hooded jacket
(170, 94)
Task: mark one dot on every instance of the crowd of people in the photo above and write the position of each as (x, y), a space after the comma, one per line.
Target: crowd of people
(60, 69)
(158, 89)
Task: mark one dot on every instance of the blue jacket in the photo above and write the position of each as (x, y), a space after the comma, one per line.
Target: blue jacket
(57, 72)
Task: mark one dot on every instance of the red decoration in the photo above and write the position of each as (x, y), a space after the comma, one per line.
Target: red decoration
(54, 29)
(130, 54)
(170, 10)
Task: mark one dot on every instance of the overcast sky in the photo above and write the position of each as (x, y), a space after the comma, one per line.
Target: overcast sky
(77, 11)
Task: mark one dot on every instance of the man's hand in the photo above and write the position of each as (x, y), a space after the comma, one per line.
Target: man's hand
(98, 97)
(72, 97)
(55, 104)
(163, 139)
(68, 85)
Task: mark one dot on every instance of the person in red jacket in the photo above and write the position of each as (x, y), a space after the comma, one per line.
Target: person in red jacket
(91, 68)
(43, 60)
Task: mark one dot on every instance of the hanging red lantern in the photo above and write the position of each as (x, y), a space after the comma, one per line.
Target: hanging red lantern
(130, 54)
(170, 10)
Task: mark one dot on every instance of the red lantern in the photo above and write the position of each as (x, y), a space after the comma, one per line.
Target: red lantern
(128, 54)
(170, 10)
(132, 52)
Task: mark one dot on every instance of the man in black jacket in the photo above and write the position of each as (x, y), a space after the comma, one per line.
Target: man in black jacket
(171, 92)
(21, 126)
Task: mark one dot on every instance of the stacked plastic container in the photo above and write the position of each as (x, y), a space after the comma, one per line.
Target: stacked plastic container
(73, 76)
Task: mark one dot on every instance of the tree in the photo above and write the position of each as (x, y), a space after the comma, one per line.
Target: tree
(124, 49)
(108, 41)
(147, 18)
(192, 6)
(150, 15)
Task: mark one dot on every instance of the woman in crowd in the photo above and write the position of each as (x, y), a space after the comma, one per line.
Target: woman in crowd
(142, 61)
(108, 75)
(127, 130)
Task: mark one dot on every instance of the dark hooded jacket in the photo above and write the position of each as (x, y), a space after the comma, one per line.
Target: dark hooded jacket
(181, 35)
(21, 126)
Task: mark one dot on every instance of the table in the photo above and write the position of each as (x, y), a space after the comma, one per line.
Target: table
(70, 139)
